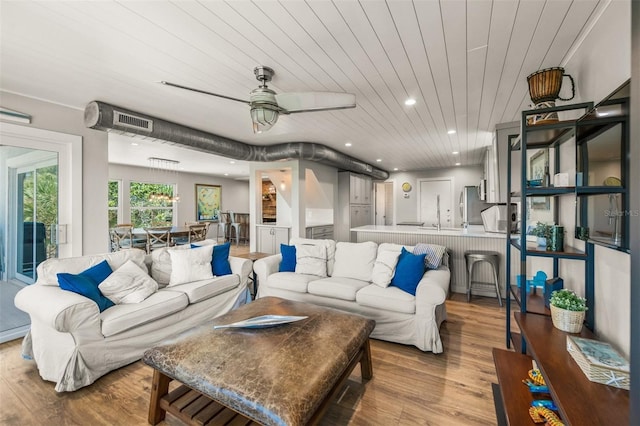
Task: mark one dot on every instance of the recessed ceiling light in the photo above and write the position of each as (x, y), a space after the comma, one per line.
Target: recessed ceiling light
(457, 164)
(226, 174)
(379, 160)
(232, 162)
(451, 132)
(134, 143)
(347, 144)
(181, 168)
(455, 153)
(395, 169)
(410, 102)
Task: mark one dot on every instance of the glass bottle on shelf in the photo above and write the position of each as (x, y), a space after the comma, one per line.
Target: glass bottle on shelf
(545, 177)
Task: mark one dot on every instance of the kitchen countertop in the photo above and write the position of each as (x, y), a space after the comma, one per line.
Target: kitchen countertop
(273, 225)
(472, 231)
(314, 224)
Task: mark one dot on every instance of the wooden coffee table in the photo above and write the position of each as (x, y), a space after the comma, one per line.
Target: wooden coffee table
(284, 375)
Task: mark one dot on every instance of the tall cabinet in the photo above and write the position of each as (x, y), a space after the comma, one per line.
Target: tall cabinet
(548, 149)
(355, 194)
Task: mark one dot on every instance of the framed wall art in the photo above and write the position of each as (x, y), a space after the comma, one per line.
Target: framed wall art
(208, 201)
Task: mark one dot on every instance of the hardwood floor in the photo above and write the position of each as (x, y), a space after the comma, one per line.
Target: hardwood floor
(408, 386)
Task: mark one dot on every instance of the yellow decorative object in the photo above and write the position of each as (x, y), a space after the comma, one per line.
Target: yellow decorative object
(406, 187)
(537, 378)
(542, 414)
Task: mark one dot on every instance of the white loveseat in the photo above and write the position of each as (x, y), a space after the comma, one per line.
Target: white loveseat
(73, 343)
(400, 317)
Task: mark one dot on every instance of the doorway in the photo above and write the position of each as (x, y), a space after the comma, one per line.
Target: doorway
(384, 203)
(435, 197)
(39, 202)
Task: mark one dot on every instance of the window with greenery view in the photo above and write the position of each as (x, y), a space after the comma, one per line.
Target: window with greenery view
(114, 203)
(146, 212)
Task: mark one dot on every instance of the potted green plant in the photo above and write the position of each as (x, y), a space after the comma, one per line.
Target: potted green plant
(567, 310)
(543, 232)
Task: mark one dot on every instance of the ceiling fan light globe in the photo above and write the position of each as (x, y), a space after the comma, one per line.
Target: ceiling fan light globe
(263, 119)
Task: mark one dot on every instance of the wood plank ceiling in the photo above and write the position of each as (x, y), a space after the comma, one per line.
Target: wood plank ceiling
(465, 63)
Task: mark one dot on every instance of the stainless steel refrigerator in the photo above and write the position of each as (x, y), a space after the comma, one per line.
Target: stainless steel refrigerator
(471, 205)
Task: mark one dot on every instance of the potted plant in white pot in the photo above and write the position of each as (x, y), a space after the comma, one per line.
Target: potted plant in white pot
(567, 310)
(543, 232)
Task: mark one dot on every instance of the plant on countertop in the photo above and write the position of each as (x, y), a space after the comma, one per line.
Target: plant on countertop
(567, 299)
(542, 230)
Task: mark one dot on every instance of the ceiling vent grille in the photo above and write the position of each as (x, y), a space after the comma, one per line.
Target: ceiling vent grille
(131, 121)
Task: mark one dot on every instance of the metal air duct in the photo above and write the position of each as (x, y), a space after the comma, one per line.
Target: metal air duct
(102, 116)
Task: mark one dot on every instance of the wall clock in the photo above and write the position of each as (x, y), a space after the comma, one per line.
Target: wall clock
(406, 187)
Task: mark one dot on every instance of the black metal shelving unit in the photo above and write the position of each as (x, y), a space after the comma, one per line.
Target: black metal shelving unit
(542, 136)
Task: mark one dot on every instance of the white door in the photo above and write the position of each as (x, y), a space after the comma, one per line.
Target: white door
(68, 149)
(434, 195)
(384, 203)
(381, 202)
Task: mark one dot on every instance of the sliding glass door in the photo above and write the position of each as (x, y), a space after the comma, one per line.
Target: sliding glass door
(36, 213)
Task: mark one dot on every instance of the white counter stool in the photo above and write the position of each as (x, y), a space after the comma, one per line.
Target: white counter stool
(234, 228)
(223, 222)
(471, 257)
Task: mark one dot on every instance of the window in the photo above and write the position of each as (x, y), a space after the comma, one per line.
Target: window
(115, 202)
(151, 204)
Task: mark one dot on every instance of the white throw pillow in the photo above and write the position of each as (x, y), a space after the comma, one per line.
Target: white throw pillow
(355, 260)
(330, 245)
(128, 284)
(311, 260)
(384, 268)
(190, 265)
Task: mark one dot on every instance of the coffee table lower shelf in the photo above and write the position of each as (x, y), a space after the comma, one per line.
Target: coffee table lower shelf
(194, 408)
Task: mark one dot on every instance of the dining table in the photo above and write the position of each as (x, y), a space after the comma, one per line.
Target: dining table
(176, 231)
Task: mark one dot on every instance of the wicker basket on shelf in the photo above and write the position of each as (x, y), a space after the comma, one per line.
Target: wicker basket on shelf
(565, 320)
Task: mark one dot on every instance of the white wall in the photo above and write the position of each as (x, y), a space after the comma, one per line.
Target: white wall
(234, 195)
(406, 209)
(600, 65)
(321, 186)
(50, 116)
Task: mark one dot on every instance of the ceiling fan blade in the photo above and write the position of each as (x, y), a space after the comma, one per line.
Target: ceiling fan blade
(314, 101)
(204, 92)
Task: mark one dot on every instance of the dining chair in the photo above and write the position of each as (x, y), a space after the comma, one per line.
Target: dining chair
(197, 232)
(158, 237)
(208, 225)
(122, 237)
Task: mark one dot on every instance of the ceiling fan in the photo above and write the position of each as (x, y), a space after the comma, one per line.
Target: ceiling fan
(266, 105)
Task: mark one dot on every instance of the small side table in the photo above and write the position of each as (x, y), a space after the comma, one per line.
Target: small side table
(253, 256)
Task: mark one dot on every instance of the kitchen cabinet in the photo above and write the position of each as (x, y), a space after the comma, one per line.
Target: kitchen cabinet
(360, 189)
(355, 194)
(320, 232)
(270, 238)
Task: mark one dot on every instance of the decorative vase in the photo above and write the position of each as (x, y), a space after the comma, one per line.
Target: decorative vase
(557, 239)
(542, 242)
(544, 89)
(569, 321)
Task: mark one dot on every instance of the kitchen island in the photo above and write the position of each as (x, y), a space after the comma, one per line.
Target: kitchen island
(456, 240)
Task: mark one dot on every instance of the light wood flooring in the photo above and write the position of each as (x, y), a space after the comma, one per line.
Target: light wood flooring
(409, 386)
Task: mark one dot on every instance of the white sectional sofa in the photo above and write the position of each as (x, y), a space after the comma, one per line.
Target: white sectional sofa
(73, 343)
(400, 317)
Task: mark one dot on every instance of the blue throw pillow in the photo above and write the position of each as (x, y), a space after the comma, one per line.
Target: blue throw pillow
(288, 263)
(98, 273)
(85, 286)
(409, 271)
(220, 260)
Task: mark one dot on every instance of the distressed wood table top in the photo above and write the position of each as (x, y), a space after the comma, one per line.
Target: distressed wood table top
(277, 375)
